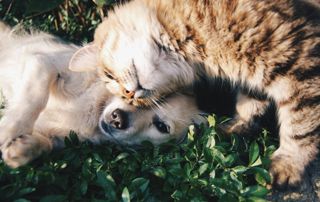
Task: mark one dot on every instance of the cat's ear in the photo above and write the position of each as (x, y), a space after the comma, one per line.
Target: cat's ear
(85, 59)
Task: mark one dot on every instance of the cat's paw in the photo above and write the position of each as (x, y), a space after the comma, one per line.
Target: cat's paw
(238, 126)
(21, 150)
(286, 172)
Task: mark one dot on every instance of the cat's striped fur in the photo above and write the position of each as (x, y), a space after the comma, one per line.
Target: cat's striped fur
(151, 48)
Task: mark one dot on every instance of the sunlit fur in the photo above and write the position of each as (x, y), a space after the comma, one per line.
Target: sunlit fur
(45, 101)
(269, 46)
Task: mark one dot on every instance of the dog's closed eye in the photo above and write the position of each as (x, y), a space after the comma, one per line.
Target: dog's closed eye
(160, 125)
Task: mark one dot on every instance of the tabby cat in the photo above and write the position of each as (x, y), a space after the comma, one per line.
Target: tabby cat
(150, 48)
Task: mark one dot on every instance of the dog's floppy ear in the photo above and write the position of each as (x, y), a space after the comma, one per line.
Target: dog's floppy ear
(85, 59)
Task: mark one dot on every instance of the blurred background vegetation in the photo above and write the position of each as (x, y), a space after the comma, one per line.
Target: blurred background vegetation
(73, 20)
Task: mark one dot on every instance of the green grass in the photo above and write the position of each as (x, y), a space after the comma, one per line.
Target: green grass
(206, 167)
(74, 20)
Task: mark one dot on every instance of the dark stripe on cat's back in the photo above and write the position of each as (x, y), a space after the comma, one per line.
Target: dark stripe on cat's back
(309, 102)
(313, 132)
(281, 13)
(315, 51)
(281, 69)
(301, 74)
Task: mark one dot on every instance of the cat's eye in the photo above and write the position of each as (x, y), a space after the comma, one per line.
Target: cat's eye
(107, 74)
(161, 126)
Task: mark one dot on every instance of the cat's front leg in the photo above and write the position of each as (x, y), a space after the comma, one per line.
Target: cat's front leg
(248, 110)
(35, 75)
(24, 148)
(299, 142)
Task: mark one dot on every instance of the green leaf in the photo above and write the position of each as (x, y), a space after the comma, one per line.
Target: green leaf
(121, 156)
(212, 120)
(54, 198)
(187, 170)
(217, 155)
(260, 179)
(256, 199)
(191, 133)
(230, 159)
(270, 149)
(74, 138)
(26, 190)
(125, 195)
(261, 173)
(202, 182)
(177, 195)
(21, 200)
(159, 172)
(203, 168)
(177, 171)
(101, 3)
(228, 197)
(107, 183)
(67, 142)
(236, 181)
(240, 169)
(253, 152)
(140, 184)
(211, 142)
(84, 187)
(256, 190)
(235, 141)
(212, 174)
(258, 162)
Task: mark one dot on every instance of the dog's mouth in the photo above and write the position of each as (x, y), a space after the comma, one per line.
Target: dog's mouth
(105, 127)
(108, 132)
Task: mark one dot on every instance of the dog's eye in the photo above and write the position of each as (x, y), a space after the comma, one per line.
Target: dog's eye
(162, 127)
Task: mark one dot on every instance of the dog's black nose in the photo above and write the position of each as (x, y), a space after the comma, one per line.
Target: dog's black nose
(118, 119)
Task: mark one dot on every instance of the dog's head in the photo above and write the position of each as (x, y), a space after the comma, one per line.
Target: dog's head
(125, 124)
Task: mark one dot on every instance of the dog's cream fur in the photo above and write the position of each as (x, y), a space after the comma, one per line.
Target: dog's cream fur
(45, 101)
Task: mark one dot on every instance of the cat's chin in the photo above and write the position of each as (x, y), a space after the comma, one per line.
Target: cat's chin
(147, 102)
(142, 102)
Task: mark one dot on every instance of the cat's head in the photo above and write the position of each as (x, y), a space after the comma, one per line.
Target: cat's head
(135, 60)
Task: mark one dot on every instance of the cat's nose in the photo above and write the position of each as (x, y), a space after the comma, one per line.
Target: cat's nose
(118, 119)
(129, 94)
(139, 93)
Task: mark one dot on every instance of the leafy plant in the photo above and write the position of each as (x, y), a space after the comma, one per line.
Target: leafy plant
(207, 166)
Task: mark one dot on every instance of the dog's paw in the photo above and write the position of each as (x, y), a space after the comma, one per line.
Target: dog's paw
(21, 150)
(286, 172)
